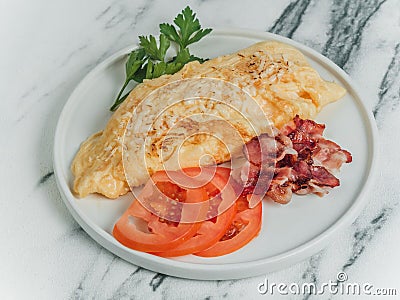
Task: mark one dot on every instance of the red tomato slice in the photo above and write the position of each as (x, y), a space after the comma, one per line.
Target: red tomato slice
(149, 233)
(215, 180)
(139, 229)
(245, 226)
(210, 232)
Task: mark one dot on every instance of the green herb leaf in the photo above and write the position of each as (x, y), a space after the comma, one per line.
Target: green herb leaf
(149, 70)
(149, 44)
(199, 59)
(119, 101)
(148, 61)
(135, 61)
(159, 69)
(199, 35)
(183, 56)
(189, 29)
(173, 67)
(170, 32)
(140, 74)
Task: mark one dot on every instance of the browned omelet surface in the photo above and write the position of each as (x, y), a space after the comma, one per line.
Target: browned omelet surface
(277, 76)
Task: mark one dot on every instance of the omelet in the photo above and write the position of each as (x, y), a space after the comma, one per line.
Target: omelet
(201, 115)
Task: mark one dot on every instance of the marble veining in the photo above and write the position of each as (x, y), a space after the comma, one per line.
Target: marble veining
(389, 91)
(72, 54)
(311, 272)
(127, 285)
(45, 177)
(64, 254)
(348, 20)
(27, 107)
(363, 235)
(141, 12)
(290, 19)
(157, 280)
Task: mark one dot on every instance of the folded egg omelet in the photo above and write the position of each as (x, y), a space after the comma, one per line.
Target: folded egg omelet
(202, 114)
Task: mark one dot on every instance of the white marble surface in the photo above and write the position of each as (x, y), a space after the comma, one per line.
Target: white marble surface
(48, 46)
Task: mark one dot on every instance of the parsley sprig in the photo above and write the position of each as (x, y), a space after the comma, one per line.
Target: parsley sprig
(189, 29)
(149, 59)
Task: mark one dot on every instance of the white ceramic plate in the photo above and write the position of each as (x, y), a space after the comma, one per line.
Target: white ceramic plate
(289, 233)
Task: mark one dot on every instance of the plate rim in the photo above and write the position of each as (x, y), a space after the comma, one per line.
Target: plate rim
(227, 270)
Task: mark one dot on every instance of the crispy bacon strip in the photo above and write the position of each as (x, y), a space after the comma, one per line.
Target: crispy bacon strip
(297, 159)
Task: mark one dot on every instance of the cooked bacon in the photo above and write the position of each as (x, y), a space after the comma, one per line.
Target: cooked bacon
(255, 179)
(312, 188)
(330, 155)
(283, 175)
(306, 126)
(306, 155)
(260, 149)
(249, 175)
(322, 177)
(264, 181)
(302, 171)
(287, 160)
(262, 153)
(297, 159)
(284, 147)
(280, 193)
(306, 136)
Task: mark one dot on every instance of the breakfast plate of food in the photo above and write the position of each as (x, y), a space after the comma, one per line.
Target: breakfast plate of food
(214, 154)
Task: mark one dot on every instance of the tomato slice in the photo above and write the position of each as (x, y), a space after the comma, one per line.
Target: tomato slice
(150, 233)
(210, 232)
(244, 227)
(142, 230)
(215, 180)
